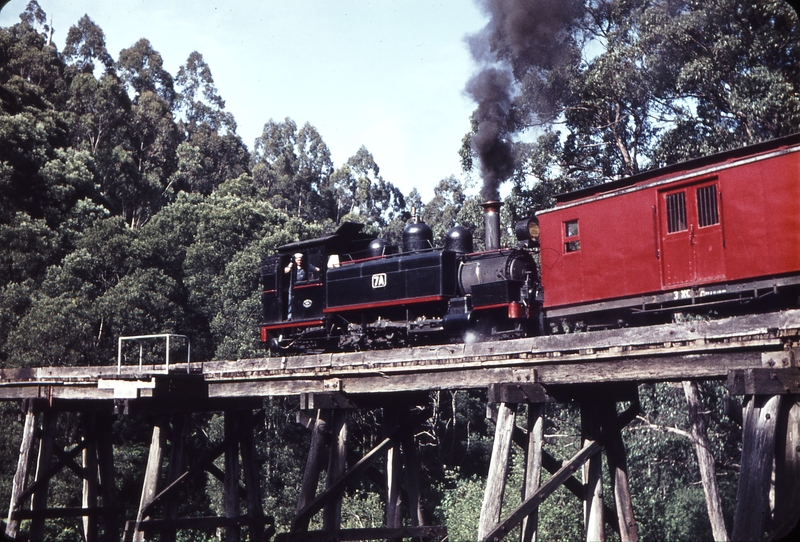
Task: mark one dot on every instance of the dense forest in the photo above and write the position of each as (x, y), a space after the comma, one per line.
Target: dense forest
(129, 205)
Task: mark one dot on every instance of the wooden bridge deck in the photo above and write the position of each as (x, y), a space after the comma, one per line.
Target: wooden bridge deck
(692, 350)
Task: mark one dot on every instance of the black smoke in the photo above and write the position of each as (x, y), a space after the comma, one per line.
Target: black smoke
(491, 88)
(521, 39)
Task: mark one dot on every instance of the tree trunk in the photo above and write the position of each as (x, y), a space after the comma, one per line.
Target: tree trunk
(705, 459)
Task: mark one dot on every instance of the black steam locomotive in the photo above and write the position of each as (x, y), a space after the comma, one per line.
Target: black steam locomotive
(349, 291)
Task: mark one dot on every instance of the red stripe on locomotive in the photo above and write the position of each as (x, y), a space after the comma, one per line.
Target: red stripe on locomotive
(383, 304)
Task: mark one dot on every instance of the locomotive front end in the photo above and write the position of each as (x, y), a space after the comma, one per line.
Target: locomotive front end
(498, 288)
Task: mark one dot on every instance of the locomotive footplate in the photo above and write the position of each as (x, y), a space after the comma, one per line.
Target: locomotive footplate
(285, 335)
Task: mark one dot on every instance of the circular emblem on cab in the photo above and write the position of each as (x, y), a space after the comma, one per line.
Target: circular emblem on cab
(307, 303)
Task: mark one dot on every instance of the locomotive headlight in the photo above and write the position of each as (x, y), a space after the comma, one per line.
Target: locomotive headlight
(527, 229)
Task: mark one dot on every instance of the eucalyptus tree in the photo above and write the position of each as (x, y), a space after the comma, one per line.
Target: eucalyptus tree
(210, 151)
(441, 212)
(147, 158)
(363, 195)
(43, 180)
(85, 44)
(294, 167)
(26, 51)
(730, 74)
(39, 173)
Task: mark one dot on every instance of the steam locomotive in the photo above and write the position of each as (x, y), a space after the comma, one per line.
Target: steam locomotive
(718, 234)
(350, 291)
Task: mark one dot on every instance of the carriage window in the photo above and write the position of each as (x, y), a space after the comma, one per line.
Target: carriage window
(707, 211)
(572, 243)
(571, 228)
(676, 212)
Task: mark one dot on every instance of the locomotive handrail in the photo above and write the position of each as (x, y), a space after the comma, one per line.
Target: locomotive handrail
(140, 338)
(400, 253)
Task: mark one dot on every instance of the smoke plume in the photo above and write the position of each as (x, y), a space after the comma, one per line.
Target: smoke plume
(491, 88)
(521, 36)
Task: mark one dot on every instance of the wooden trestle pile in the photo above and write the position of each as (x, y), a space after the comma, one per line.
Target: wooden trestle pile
(759, 357)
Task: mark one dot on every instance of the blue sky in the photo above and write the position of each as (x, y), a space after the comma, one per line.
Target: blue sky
(387, 74)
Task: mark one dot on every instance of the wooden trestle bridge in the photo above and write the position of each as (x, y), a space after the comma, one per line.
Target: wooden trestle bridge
(758, 356)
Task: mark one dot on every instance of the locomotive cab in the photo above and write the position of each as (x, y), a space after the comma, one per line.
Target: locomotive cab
(349, 291)
(302, 284)
(293, 282)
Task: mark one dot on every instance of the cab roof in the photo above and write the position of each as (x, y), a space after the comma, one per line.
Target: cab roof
(342, 240)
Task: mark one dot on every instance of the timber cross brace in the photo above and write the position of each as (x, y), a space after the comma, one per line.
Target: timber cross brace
(601, 429)
(159, 494)
(96, 473)
(326, 414)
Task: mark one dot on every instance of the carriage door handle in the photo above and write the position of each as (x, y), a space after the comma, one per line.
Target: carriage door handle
(691, 234)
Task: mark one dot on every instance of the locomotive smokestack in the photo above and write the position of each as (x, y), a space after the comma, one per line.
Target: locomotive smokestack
(491, 222)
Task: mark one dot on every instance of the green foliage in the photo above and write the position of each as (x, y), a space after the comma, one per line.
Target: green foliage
(39, 174)
(86, 43)
(363, 195)
(142, 69)
(461, 506)
(666, 492)
(55, 331)
(442, 211)
(294, 167)
(363, 510)
(211, 151)
(30, 246)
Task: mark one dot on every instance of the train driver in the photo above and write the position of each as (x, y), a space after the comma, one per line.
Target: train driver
(302, 270)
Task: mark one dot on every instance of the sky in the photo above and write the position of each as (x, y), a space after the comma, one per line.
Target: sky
(385, 74)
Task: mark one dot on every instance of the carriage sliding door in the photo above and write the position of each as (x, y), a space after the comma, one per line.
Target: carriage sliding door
(691, 233)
